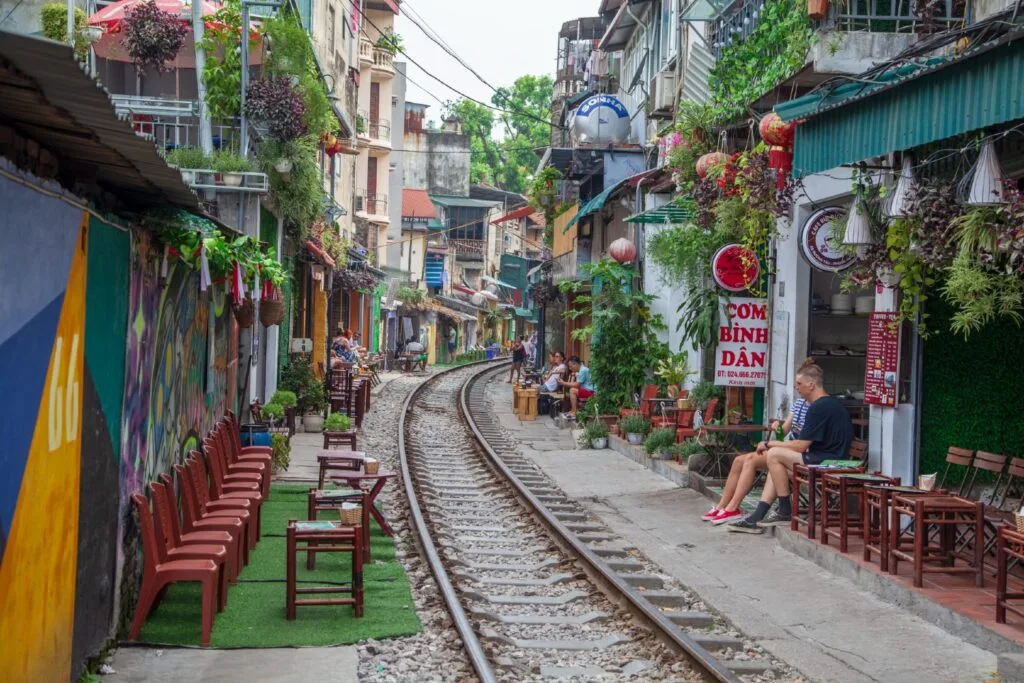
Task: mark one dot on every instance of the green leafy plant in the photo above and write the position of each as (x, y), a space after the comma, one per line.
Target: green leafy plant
(55, 26)
(189, 157)
(622, 330)
(281, 452)
(314, 399)
(593, 431)
(272, 412)
(297, 376)
(360, 123)
(390, 42)
(337, 422)
(284, 398)
(543, 196)
(222, 73)
(704, 391)
(674, 370)
(635, 424)
(298, 196)
(775, 50)
(410, 295)
(275, 102)
(688, 448)
(225, 161)
(660, 440)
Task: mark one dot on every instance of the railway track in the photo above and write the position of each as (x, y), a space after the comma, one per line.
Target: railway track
(536, 588)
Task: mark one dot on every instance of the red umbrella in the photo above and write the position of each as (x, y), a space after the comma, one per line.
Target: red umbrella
(112, 16)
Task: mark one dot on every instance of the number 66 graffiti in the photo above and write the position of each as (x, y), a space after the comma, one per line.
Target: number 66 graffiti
(64, 399)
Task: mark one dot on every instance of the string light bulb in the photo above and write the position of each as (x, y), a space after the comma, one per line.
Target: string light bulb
(858, 226)
(906, 186)
(987, 183)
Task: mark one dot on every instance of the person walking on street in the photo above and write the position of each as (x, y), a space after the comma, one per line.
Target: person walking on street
(518, 354)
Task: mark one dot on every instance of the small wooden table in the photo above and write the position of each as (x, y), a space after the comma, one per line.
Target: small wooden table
(319, 500)
(946, 513)
(1009, 546)
(355, 480)
(875, 518)
(811, 475)
(323, 537)
(843, 486)
(333, 460)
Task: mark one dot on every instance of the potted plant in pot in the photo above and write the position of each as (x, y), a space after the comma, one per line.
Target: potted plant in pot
(187, 159)
(288, 401)
(337, 423)
(635, 427)
(281, 452)
(690, 447)
(230, 167)
(272, 414)
(660, 442)
(673, 371)
(595, 435)
(312, 404)
(735, 415)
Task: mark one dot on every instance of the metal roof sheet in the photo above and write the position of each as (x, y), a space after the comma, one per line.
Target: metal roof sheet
(47, 97)
(462, 202)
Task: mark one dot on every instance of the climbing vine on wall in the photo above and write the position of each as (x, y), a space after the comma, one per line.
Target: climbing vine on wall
(748, 68)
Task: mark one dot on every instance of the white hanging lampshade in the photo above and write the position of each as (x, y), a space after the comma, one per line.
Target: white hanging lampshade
(987, 184)
(906, 185)
(858, 226)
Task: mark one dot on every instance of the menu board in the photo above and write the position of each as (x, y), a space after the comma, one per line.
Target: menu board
(882, 370)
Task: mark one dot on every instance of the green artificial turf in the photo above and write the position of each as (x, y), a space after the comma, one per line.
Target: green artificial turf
(255, 614)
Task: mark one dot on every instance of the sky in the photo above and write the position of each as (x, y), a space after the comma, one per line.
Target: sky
(501, 40)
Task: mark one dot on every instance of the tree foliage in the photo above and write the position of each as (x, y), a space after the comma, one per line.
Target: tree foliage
(502, 143)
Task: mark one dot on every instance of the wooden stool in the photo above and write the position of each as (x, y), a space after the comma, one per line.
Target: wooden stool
(842, 486)
(335, 439)
(318, 501)
(875, 518)
(330, 461)
(947, 513)
(1009, 545)
(810, 476)
(323, 537)
(528, 405)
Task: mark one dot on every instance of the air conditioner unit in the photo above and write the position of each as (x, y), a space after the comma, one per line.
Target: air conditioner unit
(664, 90)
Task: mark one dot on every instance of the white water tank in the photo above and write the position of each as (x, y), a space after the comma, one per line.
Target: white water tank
(601, 119)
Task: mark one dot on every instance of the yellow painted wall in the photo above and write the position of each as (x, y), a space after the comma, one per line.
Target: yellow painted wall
(37, 577)
(319, 329)
(564, 242)
(431, 351)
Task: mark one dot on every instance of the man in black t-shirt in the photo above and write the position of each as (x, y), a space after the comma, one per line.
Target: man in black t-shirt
(826, 434)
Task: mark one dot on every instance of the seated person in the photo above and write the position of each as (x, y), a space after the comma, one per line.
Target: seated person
(556, 373)
(581, 386)
(744, 467)
(414, 349)
(826, 435)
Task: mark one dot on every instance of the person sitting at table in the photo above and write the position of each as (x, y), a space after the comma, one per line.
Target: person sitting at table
(341, 346)
(826, 435)
(582, 386)
(414, 349)
(556, 373)
(744, 467)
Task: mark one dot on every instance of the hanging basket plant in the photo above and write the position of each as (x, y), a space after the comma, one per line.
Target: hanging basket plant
(277, 104)
(244, 313)
(153, 37)
(355, 280)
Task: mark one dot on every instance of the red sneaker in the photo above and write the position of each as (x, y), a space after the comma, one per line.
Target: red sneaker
(710, 514)
(725, 516)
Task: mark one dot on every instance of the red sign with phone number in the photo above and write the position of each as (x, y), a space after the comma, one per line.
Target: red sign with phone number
(882, 370)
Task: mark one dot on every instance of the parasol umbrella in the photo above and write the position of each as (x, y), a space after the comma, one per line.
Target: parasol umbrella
(111, 17)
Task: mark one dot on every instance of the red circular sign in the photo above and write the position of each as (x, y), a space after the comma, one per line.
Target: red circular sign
(735, 268)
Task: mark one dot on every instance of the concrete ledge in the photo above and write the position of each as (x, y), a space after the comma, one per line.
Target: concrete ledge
(669, 469)
(1011, 668)
(945, 618)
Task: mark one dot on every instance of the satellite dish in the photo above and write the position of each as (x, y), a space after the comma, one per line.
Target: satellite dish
(601, 119)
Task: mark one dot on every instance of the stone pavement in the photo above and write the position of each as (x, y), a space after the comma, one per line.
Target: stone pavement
(821, 624)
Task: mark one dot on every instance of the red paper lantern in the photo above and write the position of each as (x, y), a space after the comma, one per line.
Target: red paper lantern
(710, 161)
(622, 250)
(775, 131)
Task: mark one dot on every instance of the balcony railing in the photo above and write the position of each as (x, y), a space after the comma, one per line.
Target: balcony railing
(365, 52)
(206, 179)
(371, 204)
(383, 61)
(879, 16)
(172, 123)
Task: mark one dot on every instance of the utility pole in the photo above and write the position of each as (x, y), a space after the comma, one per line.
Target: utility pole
(205, 129)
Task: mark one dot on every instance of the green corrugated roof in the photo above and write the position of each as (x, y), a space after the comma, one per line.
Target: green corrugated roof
(593, 205)
(935, 101)
(670, 213)
(461, 202)
(435, 224)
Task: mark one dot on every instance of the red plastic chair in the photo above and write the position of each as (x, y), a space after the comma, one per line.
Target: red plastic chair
(244, 451)
(237, 494)
(201, 514)
(251, 463)
(251, 473)
(158, 573)
(229, 481)
(650, 391)
(169, 525)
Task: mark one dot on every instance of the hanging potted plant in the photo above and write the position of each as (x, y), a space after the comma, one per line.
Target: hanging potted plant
(188, 159)
(635, 427)
(153, 37)
(276, 103)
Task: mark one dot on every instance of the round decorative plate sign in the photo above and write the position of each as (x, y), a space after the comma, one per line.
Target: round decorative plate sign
(735, 268)
(820, 244)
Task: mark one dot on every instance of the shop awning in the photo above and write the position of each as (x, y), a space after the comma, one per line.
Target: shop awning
(908, 106)
(319, 254)
(495, 281)
(456, 315)
(597, 203)
(670, 213)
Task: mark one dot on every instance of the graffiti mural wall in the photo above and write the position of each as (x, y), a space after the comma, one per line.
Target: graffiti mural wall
(178, 379)
(43, 263)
